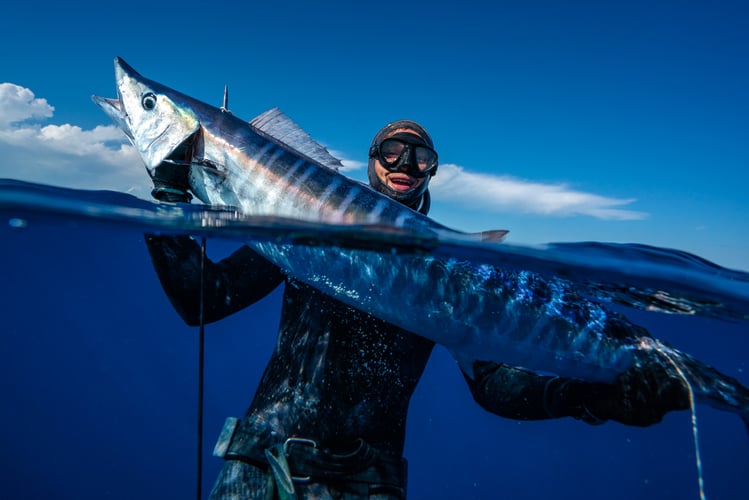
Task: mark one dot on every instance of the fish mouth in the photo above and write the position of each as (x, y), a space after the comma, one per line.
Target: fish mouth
(114, 109)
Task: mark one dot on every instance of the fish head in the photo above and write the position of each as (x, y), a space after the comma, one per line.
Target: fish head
(153, 116)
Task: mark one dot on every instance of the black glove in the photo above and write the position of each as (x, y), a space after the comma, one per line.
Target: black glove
(171, 183)
(641, 396)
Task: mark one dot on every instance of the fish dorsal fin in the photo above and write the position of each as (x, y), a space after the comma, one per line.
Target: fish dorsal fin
(281, 128)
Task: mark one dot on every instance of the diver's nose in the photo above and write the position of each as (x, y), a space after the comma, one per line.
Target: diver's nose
(407, 159)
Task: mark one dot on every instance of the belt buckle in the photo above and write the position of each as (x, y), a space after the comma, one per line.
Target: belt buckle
(305, 441)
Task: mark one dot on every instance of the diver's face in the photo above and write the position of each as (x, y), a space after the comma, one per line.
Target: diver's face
(399, 181)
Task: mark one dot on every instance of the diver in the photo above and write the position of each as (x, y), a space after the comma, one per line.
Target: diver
(320, 424)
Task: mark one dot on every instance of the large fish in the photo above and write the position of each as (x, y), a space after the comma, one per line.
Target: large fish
(269, 166)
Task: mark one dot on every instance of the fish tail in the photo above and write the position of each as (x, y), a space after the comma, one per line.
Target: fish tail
(706, 384)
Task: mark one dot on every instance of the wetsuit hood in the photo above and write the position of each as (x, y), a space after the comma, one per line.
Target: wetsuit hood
(417, 199)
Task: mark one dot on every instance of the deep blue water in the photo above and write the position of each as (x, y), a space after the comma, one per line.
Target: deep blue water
(99, 378)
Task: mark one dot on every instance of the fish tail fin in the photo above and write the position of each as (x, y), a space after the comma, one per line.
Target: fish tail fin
(492, 236)
(706, 384)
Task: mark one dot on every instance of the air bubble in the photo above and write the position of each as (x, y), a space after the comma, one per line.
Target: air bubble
(18, 223)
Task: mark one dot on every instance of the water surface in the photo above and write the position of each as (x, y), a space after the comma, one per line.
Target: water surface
(99, 374)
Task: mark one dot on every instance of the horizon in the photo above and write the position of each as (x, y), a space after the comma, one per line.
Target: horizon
(582, 122)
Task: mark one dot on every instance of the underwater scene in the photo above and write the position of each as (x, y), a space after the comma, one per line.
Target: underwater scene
(100, 376)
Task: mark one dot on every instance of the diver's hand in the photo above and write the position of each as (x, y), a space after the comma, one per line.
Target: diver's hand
(641, 396)
(171, 183)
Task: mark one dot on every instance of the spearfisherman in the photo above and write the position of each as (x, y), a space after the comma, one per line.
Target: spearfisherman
(320, 424)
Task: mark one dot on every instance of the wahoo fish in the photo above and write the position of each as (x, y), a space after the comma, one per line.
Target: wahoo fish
(270, 166)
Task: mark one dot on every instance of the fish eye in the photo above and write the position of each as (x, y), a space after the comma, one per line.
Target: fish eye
(148, 101)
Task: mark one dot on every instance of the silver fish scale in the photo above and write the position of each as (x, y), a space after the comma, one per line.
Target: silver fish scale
(494, 316)
(272, 179)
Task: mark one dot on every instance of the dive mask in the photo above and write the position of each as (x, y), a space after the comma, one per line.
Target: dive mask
(404, 149)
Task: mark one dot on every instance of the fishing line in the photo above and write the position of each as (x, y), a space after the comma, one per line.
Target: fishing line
(692, 407)
(695, 432)
(201, 368)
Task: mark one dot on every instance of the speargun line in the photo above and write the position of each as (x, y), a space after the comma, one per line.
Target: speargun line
(201, 364)
(692, 407)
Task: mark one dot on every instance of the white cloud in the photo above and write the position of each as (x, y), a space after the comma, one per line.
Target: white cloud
(18, 103)
(508, 194)
(101, 158)
(63, 155)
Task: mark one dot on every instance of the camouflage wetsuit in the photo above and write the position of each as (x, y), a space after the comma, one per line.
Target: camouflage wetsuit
(339, 378)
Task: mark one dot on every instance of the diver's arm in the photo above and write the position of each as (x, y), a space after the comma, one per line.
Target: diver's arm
(640, 396)
(509, 391)
(231, 284)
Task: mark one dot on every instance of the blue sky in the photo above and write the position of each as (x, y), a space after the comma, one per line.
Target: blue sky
(561, 121)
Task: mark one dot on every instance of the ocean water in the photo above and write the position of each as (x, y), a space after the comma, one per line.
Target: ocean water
(99, 375)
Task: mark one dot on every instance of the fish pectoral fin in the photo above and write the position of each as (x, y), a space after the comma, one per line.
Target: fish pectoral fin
(275, 124)
(493, 235)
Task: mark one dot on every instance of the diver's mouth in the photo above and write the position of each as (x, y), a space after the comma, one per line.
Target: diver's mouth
(400, 182)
